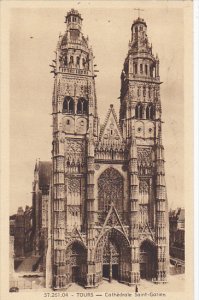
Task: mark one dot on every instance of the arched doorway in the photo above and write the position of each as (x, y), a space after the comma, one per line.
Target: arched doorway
(76, 259)
(112, 257)
(148, 260)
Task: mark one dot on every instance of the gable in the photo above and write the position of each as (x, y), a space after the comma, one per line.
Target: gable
(111, 132)
(112, 221)
(147, 233)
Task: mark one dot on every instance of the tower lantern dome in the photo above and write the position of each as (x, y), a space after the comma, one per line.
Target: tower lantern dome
(138, 29)
(73, 33)
(139, 21)
(73, 20)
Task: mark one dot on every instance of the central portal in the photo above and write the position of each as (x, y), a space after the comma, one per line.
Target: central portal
(75, 273)
(111, 257)
(110, 274)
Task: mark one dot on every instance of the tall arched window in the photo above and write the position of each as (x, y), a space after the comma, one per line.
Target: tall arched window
(65, 60)
(141, 68)
(136, 32)
(68, 105)
(71, 60)
(144, 91)
(139, 111)
(87, 62)
(83, 62)
(78, 61)
(150, 112)
(146, 69)
(138, 91)
(149, 92)
(110, 189)
(135, 69)
(82, 106)
(151, 71)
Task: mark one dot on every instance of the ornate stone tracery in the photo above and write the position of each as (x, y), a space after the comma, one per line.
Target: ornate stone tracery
(113, 249)
(74, 155)
(73, 185)
(144, 161)
(143, 187)
(74, 210)
(110, 189)
(74, 147)
(144, 154)
(76, 258)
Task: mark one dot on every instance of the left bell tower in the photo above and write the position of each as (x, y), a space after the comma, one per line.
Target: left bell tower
(74, 112)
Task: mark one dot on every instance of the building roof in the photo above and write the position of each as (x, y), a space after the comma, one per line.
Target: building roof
(12, 222)
(13, 217)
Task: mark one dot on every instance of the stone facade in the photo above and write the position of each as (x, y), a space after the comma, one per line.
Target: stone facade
(108, 204)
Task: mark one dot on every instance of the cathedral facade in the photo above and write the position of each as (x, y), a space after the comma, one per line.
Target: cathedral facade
(107, 204)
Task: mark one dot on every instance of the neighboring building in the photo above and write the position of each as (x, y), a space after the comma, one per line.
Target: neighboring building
(19, 237)
(109, 204)
(21, 229)
(41, 185)
(12, 225)
(177, 234)
(11, 256)
(28, 226)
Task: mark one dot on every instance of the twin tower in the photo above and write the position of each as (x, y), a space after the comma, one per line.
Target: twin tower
(107, 203)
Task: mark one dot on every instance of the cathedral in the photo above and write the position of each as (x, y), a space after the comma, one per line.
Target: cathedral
(100, 207)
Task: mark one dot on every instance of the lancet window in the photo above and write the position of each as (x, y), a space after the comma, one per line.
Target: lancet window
(82, 106)
(139, 111)
(68, 105)
(150, 112)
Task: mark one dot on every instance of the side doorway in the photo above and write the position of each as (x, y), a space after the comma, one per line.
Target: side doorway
(76, 255)
(148, 260)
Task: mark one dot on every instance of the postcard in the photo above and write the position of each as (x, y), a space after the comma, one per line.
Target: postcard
(97, 143)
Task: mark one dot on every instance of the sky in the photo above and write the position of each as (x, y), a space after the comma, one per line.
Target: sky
(33, 37)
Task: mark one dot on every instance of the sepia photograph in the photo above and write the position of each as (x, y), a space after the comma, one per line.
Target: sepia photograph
(98, 150)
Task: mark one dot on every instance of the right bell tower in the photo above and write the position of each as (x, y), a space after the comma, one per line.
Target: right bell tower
(140, 120)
